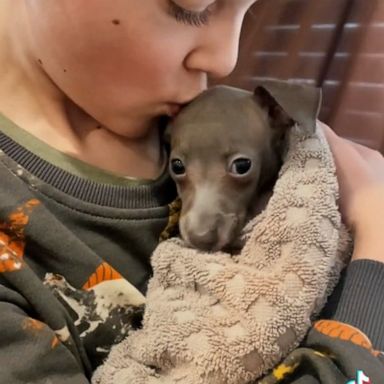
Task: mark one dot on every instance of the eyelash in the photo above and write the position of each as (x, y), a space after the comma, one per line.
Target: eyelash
(196, 19)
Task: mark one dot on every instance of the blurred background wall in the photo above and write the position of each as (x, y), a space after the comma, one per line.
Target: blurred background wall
(334, 44)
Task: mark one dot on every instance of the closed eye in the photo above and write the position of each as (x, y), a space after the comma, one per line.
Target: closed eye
(186, 16)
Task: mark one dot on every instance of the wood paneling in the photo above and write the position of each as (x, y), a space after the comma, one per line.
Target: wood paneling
(337, 44)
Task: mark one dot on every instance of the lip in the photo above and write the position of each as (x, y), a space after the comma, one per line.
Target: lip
(173, 109)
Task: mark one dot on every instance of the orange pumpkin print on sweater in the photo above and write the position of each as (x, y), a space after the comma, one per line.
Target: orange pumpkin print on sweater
(12, 237)
(345, 332)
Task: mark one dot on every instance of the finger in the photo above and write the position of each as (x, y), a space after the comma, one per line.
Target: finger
(366, 151)
(357, 145)
(334, 141)
(338, 144)
(345, 152)
(329, 133)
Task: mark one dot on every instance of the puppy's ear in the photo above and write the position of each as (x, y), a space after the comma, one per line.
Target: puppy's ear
(287, 103)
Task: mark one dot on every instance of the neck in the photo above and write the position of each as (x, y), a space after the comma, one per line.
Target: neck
(32, 101)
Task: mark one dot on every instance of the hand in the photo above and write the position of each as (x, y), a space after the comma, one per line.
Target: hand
(360, 173)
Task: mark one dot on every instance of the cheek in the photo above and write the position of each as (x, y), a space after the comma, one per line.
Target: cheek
(238, 195)
(129, 59)
(148, 66)
(186, 192)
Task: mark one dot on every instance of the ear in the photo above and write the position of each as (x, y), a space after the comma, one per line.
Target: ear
(287, 103)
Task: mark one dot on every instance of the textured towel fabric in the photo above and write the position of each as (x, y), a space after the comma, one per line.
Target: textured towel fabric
(217, 318)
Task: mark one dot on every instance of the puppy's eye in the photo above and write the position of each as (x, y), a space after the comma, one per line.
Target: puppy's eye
(177, 167)
(240, 166)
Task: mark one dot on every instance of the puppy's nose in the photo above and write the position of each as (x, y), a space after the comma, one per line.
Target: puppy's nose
(204, 239)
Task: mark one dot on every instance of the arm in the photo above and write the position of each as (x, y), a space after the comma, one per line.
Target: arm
(29, 349)
(358, 300)
(333, 353)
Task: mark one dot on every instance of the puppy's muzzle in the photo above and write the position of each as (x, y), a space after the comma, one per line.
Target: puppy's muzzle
(209, 232)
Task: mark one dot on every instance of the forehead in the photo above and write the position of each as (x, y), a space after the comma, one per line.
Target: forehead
(220, 119)
(220, 140)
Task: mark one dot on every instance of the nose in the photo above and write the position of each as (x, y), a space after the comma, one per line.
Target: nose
(201, 229)
(216, 51)
(205, 240)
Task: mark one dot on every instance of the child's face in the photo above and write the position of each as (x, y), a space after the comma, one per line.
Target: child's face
(126, 61)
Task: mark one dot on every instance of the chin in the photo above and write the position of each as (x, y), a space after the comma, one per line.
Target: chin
(134, 128)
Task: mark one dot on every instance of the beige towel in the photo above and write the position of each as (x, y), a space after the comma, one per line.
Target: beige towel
(213, 318)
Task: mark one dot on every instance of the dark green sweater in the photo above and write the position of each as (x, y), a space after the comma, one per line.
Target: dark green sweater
(75, 246)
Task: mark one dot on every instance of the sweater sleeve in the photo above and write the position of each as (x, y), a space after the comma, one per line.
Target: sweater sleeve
(30, 351)
(344, 347)
(358, 300)
(332, 353)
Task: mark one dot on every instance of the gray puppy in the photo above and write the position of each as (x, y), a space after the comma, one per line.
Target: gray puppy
(227, 147)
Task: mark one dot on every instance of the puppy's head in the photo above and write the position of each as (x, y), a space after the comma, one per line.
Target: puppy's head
(226, 146)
